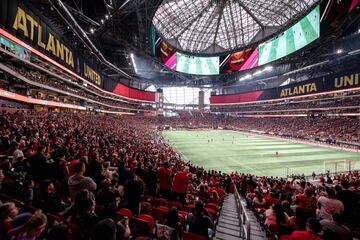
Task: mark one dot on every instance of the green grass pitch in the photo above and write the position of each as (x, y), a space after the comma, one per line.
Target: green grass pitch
(234, 151)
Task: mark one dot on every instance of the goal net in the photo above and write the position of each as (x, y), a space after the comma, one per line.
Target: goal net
(336, 166)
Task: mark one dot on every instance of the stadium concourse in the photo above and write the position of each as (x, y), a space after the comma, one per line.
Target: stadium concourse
(179, 120)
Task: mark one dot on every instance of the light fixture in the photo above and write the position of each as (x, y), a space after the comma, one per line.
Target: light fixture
(133, 61)
(258, 72)
(248, 76)
(107, 16)
(92, 30)
(102, 21)
(339, 51)
(268, 68)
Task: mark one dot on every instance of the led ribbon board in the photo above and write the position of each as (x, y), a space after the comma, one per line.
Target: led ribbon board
(298, 36)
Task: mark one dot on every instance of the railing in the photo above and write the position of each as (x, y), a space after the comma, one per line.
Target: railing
(243, 216)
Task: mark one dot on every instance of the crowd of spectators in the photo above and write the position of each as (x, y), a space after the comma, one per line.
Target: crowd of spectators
(347, 102)
(295, 208)
(70, 88)
(90, 171)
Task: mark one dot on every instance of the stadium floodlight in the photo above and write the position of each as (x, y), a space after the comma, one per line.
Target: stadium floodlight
(133, 61)
(339, 51)
(248, 76)
(268, 68)
(258, 72)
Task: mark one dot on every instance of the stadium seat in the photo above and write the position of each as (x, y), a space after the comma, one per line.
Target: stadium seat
(160, 213)
(213, 206)
(125, 212)
(212, 213)
(192, 236)
(161, 202)
(142, 226)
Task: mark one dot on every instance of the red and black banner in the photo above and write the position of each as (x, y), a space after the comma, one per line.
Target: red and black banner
(337, 82)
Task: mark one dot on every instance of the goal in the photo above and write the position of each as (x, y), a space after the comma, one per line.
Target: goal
(336, 166)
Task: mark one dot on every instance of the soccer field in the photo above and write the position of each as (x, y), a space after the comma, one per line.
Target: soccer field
(234, 151)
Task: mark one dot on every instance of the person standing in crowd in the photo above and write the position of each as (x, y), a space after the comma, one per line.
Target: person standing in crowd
(164, 176)
(329, 205)
(133, 192)
(180, 185)
(78, 182)
(199, 222)
(351, 203)
(306, 207)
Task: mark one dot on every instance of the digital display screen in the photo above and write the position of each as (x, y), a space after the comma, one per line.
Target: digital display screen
(298, 36)
(197, 65)
(239, 61)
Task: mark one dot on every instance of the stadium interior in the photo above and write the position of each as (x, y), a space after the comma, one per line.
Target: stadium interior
(179, 119)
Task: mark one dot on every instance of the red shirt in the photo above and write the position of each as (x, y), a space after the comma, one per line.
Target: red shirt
(180, 182)
(307, 203)
(164, 175)
(220, 191)
(304, 235)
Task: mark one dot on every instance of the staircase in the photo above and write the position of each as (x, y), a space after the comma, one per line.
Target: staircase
(228, 227)
(237, 222)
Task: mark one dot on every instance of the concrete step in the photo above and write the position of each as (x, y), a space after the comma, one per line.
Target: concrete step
(235, 219)
(228, 226)
(231, 222)
(230, 214)
(222, 236)
(227, 231)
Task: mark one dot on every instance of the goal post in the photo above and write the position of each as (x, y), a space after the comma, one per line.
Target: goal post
(335, 166)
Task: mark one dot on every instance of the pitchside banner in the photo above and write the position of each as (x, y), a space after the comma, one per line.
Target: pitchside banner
(30, 27)
(340, 81)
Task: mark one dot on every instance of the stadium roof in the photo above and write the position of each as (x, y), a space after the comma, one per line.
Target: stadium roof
(219, 26)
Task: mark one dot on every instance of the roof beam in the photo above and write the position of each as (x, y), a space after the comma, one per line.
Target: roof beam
(250, 13)
(221, 9)
(192, 21)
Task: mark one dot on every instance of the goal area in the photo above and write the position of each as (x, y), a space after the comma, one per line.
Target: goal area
(335, 166)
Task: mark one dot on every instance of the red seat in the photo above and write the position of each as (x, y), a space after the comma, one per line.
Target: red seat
(192, 236)
(188, 208)
(176, 204)
(213, 206)
(125, 212)
(140, 228)
(212, 213)
(143, 226)
(183, 213)
(148, 218)
(161, 202)
(160, 213)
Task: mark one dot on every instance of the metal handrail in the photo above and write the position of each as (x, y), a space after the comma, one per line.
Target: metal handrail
(243, 216)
